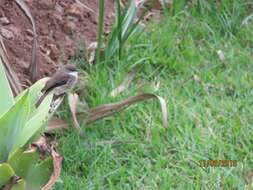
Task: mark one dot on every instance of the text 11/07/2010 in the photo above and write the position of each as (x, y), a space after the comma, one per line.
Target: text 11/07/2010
(218, 163)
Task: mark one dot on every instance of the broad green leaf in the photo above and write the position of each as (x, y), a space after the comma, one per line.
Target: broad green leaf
(38, 117)
(6, 96)
(35, 124)
(23, 162)
(11, 124)
(34, 171)
(40, 175)
(6, 172)
(34, 92)
(20, 185)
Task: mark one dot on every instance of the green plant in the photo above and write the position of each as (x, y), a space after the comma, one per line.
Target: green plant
(20, 124)
(126, 24)
(124, 27)
(210, 103)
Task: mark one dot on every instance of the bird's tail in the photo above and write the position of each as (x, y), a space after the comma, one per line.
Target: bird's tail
(41, 98)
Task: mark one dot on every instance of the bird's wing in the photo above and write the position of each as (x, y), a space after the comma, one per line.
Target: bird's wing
(72, 80)
(58, 79)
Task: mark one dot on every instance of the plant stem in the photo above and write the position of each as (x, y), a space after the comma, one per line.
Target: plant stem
(100, 29)
(119, 19)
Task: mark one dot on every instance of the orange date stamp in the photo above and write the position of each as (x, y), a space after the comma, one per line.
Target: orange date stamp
(218, 163)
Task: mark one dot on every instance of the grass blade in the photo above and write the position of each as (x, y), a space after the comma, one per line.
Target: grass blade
(126, 82)
(119, 25)
(11, 124)
(6, 97)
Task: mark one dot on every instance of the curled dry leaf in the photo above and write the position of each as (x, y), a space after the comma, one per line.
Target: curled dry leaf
(92, 48)
(7, 34)
(72, 100)
(4, 21)
(14, 180)
(57, 162)
(126, 82)
(85, 6)
(56, 124)
(221, 55)
(42, 144)
(110, 109)
(33, 66)
(92, 52)
(11, 75)
(45, 146)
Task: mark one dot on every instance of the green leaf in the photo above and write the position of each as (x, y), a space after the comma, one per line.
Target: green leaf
(11, 124)
(40, 175)
(6, 96)
(129, 18)
(34, 125)
(28, 166)
(122, 30)
(6, 172)
(34, 92)
(38, 117)
(20, 185)
(23, 162)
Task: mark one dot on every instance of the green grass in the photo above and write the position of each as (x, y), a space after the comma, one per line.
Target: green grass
(208, 120)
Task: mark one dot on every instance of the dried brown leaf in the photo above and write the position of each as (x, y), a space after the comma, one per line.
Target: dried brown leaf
(85, 6)
(11, 75)
(72, 100)
(42, 144)
(33, 66)
(221, 55)
(110, 109)
(45, 146)
(57, 161)
(56, 124)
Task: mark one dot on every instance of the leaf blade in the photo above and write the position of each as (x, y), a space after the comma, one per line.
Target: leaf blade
(6, 97)
(11, 123)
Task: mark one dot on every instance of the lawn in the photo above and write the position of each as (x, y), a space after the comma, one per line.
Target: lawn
(200, 59)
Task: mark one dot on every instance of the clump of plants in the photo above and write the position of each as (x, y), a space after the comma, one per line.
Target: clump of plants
(24, 166)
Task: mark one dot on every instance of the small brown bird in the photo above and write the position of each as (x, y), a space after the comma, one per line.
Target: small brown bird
(60, 83)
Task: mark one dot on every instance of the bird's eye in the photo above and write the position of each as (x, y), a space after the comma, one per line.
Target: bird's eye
(72, 69)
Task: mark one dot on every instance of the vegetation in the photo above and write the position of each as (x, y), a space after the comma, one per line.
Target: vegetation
(200, 58)
(20, 124)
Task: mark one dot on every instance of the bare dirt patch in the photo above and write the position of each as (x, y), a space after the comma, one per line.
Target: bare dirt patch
(62, 27)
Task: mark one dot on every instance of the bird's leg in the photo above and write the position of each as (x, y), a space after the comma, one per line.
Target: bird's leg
(57, 99)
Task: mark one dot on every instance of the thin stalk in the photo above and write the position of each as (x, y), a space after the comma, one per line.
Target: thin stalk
(100, 29)
(119, 26)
